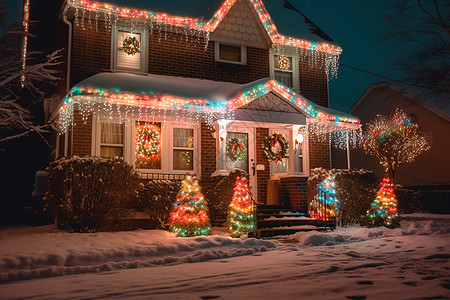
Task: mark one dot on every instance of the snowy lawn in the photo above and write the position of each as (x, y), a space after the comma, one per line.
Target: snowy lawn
(349, 263)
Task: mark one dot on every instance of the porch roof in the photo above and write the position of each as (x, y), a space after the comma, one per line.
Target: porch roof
(167, 92)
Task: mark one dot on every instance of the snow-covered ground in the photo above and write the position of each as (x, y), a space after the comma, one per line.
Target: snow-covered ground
(411, 262)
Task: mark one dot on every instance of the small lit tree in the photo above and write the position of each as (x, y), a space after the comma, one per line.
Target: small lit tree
(241, 218)
(189, 216)
(394, 141)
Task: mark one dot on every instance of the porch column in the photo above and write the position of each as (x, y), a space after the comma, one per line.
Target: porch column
(221, 137)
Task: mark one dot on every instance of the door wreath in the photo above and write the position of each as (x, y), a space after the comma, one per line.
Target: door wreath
(236, 149)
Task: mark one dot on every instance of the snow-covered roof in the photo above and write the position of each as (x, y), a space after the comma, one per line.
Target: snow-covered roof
(205, 15)
(134, 89)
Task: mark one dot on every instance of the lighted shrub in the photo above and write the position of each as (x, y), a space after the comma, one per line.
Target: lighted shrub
(156, 198)
(219, 197)
(355, 190)
(87, 194)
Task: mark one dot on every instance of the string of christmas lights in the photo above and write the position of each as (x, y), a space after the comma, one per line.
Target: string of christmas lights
(197, 27)
(241, 216)
(321, 125)
(383, 211)
(189, 214)
(325, 204)
(25, 24)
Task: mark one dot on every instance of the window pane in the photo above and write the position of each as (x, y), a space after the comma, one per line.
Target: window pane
(231, 53)
(183, 137)
(237, 151)
(148, 145)
(281, 166)
(183, 159)
(284, 77)
(282, 62)
(111, 152)
(123, 59)
(111, 133)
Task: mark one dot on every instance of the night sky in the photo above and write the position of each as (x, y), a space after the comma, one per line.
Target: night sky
(357, 26)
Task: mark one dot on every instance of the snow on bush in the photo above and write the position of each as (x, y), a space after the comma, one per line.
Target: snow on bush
(355, 190)
(156, 198)
(87, 194)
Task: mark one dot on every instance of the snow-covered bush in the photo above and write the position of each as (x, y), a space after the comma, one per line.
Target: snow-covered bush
(219, 196)
(355, 191)
(87, 194)
(156, 198)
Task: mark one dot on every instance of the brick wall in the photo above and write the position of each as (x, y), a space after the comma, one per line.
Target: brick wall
(262, 176)
(313, 82)
(208, 156)
(173, 56)
(91, 51)
(293, 193)
(81, 135)
(319, 155)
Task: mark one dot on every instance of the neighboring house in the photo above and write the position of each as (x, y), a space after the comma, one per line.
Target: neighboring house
(171, 93)
(430, 169)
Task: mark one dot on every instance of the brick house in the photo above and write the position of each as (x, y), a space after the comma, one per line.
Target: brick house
(199, 94)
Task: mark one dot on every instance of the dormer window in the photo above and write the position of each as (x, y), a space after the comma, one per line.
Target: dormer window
(129, 50)
(284, 68)
(231, 53)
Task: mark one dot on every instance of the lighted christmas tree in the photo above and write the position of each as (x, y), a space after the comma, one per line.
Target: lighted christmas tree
(394, 141)
(383, 211)
(189, 215)
(241, 218)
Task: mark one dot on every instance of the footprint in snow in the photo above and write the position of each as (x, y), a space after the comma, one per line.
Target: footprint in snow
(411, 283)
(431, 277)
(209, 297)
(364, 282)
(356, 297)
(396, 246)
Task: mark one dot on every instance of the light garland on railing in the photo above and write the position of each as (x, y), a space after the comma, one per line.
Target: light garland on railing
(194, 26)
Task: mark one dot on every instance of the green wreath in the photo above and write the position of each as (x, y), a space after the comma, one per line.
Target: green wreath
(147, 143)
(236, 149)
(271, 142)
(130, 45)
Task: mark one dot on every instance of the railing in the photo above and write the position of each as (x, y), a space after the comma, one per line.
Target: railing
(324, 210)
(162, 176)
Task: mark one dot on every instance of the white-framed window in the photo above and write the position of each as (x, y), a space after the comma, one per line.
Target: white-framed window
(112, 139)
(281, 167)
(285, 69)
(234, 54)
(148, 145)
(123, 57)
(183, 149)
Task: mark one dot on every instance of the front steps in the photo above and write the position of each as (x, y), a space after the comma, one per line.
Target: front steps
(277, 221)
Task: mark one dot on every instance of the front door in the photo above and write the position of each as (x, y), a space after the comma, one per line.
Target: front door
(240, 153)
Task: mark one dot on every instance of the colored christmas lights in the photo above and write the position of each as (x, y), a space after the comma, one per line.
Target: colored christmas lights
(394, 141)
(236, 149)
(241, 216)
(189, 214)
(321, 125)
(383, 211)
(148, 141)
(325, 204)
(131, 45)
(111, 14)
(275, 147)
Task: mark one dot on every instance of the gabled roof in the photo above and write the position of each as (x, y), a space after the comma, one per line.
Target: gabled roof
(189, 94)
(197, 15)
(443, 111)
